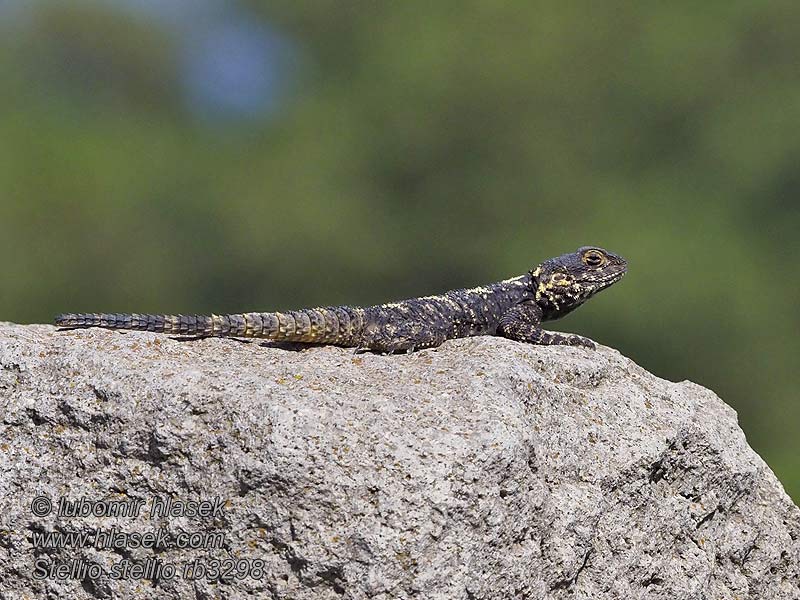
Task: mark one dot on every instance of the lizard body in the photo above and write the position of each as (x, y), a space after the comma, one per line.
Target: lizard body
(513, 308)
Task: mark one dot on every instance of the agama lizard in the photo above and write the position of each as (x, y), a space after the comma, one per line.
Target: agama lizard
(513, 308)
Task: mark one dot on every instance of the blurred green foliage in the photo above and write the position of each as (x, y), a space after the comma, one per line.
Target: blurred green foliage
(422, 146)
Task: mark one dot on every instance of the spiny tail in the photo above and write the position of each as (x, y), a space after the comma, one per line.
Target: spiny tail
(340, 325)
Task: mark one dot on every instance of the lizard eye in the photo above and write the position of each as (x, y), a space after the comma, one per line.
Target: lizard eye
(593, 258)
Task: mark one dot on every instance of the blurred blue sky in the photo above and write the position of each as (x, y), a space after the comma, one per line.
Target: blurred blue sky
(232, 67)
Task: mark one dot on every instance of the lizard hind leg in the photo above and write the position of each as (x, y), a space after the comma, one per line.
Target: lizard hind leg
(406, 337)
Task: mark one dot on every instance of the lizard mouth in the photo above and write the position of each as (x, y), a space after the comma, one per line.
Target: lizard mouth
(607, 279)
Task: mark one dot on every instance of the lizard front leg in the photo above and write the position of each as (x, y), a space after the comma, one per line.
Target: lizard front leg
(522, 322)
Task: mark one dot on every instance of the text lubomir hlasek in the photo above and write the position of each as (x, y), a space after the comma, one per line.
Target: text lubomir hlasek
(160, 506)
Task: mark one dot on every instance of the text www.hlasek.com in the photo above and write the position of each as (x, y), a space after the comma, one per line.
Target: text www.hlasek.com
(114, 538)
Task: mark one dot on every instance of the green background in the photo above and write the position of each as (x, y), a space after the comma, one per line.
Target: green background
(405, 148)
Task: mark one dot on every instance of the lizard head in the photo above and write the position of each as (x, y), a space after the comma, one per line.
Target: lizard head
(565, 282)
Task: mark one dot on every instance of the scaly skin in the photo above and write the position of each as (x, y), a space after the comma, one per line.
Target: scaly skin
(513, 308)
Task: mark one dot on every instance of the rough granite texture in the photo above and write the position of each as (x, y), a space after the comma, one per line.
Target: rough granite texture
(483, 469)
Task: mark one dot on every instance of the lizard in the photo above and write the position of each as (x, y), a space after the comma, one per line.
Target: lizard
(513, 308)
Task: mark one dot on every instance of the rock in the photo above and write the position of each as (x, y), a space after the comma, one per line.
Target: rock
(482, 469)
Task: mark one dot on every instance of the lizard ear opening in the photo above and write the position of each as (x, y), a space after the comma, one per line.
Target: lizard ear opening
(561, 278)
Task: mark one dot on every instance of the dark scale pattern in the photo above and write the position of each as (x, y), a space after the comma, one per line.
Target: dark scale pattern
(514, 308)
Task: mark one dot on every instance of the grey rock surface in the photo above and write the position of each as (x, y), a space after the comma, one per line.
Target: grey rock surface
(482, 469)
